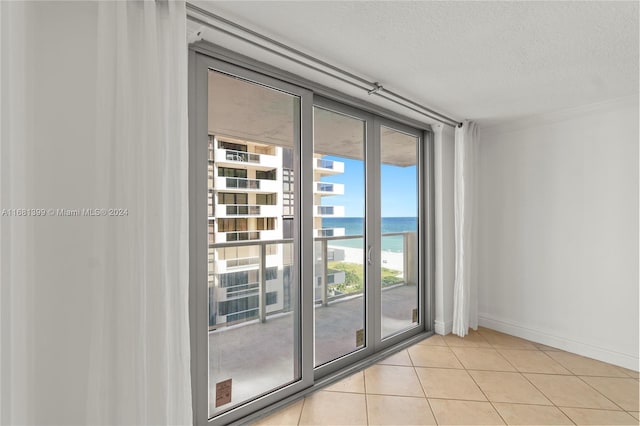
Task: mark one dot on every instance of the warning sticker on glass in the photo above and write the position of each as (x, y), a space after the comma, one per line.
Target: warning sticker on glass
(223, 392)
(359, 337)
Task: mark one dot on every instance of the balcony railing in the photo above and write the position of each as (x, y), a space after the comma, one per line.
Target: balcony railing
(329, 188)
(242, 262)
(259, 290)
(242, 156)
(336, 211)
(329, 166)
(325, 164)
(326, 277)
(329, 232)
(242, 209)
(242, 183)
(243, 235)
(325, 187)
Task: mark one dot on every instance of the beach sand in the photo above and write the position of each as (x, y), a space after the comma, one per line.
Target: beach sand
(390, 260)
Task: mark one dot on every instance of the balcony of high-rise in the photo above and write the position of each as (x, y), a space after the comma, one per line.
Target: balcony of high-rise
(328, 211)
(326, 188)
(325, 167)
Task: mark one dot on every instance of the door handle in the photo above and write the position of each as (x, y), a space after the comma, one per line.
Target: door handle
(369, 255)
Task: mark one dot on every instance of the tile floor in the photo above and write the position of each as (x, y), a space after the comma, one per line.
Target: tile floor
(486, 378)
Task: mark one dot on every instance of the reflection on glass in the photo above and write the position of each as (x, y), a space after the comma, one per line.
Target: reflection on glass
(254, 344)
(339, 279)
(399, 245)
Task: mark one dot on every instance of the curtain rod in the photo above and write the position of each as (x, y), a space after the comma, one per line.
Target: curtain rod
(372, 88)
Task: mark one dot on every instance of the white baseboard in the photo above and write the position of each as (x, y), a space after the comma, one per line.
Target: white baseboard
(442, 327)
(567, 344)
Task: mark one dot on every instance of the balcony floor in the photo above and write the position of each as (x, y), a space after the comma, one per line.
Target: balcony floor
(260, 357)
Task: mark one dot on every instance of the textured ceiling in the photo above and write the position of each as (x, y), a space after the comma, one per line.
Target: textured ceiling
(487, 61)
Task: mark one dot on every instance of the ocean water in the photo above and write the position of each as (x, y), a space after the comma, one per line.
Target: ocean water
(355, 226)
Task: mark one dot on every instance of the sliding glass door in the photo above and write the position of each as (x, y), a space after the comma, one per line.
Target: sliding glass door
(399, 229)
(367, 210)
(307, 238)
(340, 249)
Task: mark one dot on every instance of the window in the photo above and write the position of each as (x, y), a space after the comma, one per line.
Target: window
(237, 278)
(266, 223)
(272, 298)
(271, 273)
(284, 269)
(232, 198)
(229, 172)
(232, 146)
(268, 175)
(287, 228)
(232, 225)
(266, 199)
(238, 305)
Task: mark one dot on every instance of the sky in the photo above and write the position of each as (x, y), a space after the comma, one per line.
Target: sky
(399, 194)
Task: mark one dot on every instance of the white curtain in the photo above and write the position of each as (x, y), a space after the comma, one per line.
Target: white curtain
(94, 309)
(465, 295)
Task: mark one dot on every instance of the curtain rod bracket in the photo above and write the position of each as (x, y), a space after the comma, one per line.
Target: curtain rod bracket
(376, 88)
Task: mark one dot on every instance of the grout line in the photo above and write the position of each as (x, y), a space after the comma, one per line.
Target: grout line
(415, 371)
(366, 402)
(538, 389)
(534, 386)
(481, 390)
(301, 408)
(394, 395)
(488, 400)
(603, 395)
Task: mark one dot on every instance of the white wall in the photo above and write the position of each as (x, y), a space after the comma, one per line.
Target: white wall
(557, 246)
(444, 232)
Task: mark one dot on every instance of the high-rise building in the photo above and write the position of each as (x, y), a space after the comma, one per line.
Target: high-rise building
(251, 202)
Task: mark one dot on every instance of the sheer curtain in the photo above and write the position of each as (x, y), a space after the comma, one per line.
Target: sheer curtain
(465, 294)
(94, 309)
(140, 351)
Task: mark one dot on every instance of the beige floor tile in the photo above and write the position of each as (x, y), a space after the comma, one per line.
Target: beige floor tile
(482, 359)
(505, 341)
(522, 414)
(485, 330)
(471, 340)
(635, 414)
(569, 391)
(289, 415)
(433, 356)
(623, 392)
(333, 408)
(450, 412)
(400, 358)
(398, 410)
(392, 380)
(532, 361)
(542, 347)
(449, 383)
(434, 340)
(500, 386)
(353, 383)
(583, 366)
(583, 416)
(631, 373)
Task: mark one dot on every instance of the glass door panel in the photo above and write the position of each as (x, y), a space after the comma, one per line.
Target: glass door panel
(253, 290)
(399, 202)
(339, 244)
